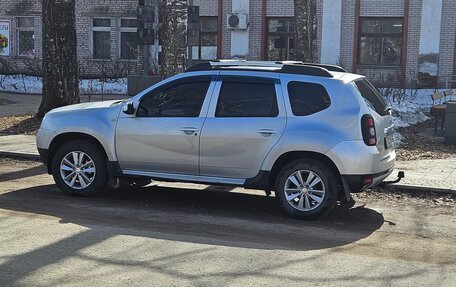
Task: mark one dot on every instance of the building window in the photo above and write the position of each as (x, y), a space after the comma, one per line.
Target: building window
(25, 27)
(128, 39)
(380, 41)
(207, 44)
(281, 33)
(101, 38)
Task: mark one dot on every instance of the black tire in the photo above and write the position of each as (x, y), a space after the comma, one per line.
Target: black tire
(100, 176)
(328, 179)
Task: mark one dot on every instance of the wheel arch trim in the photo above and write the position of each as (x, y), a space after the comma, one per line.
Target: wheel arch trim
(62, 138)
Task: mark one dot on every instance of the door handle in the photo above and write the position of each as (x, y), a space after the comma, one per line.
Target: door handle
(266, 132)
(189, 130)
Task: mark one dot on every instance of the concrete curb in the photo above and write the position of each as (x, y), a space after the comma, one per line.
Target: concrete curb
(20, 155)
(424, 188)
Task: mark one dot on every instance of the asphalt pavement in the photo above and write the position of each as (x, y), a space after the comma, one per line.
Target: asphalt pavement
(195, 235)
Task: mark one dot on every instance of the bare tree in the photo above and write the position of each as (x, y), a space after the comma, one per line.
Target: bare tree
(60, 66)
(173, 37)
(305, 32)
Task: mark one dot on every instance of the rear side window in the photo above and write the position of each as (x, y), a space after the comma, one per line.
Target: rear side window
(240, 97)
(373, 99)
(307, 98)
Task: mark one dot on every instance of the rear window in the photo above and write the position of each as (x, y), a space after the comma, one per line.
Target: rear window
(307, 98)
(372, 97)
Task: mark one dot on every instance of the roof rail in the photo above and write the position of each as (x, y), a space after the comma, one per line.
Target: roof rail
(306, 70)
(288, 67)
(331, 68)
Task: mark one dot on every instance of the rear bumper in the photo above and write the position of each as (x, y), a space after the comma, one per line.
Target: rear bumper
(355, 157)
(358, 183)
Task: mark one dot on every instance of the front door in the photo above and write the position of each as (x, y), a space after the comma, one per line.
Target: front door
(164, 134)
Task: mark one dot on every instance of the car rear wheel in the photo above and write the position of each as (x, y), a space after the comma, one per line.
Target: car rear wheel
(79, 168)
(306, 188)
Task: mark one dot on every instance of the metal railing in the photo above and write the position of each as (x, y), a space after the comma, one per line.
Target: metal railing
(450, 82)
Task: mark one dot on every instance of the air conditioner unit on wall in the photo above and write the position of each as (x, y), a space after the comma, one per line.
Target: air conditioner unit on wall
(237, 21)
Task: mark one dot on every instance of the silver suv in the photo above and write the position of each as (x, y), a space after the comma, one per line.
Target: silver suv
(311, 133)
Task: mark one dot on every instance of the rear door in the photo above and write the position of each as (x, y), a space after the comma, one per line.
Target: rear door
(246, 118)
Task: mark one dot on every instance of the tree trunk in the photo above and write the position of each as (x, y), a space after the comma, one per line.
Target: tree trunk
(305, 33)
(60, 66)
(173, 37)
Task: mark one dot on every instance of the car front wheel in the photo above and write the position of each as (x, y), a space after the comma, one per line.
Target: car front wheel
(79, 168)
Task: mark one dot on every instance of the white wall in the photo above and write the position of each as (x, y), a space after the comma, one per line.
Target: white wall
(431, 19)
(331, 31)
(240, 38)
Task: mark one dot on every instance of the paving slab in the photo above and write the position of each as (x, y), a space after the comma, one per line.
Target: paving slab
(436, 174)
(18, 145)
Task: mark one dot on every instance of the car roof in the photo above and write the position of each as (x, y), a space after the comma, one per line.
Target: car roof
(284, 67)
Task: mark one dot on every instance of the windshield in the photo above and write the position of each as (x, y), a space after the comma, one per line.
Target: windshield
(372, 97)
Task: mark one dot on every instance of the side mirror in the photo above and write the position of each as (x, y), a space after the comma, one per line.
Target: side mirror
(129, 109)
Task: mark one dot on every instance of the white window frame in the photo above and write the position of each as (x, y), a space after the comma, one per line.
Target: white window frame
(21, 29)
(98, 29)
(121, 30)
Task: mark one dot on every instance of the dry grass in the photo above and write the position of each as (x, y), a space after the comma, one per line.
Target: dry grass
(15, 125)
(420, 143)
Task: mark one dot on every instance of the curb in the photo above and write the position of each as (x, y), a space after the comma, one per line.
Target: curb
(424, 188)
(20, 155)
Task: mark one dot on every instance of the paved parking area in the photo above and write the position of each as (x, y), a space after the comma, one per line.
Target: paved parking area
(192, 235)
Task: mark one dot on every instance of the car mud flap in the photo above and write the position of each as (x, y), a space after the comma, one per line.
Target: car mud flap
(347, 190)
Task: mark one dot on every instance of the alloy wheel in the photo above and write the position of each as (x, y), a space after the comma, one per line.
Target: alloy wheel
(77, 170)
(304, 190)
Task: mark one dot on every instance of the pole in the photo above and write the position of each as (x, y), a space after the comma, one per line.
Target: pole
(147, 47)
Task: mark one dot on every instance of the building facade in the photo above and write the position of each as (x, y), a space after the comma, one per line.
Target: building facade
(106, 37)
(408, 42)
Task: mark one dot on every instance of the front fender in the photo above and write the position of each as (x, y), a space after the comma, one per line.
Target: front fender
(98, 123)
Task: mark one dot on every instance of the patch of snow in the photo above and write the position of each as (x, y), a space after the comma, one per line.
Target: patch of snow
(34, 85)
(398, 138)
(407, 113)
(96, 86)
(429, 68)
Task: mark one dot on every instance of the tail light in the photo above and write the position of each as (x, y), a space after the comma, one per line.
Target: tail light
(368, 130)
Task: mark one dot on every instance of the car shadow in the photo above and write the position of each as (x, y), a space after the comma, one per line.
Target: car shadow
(32, 171)
(221, 217)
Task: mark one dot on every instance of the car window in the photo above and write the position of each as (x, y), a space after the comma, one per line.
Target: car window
(241, 97)
(373, 99)
(307, 98)
(183, 99)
